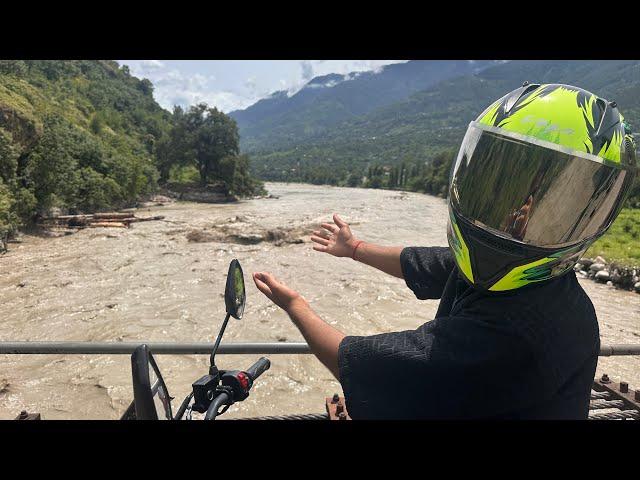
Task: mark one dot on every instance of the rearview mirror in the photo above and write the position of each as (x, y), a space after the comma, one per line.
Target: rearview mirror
(234, 295)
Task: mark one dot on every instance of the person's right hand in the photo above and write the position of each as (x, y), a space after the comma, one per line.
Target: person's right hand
(335, 239)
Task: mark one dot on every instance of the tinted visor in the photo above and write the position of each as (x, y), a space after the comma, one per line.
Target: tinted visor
(527, 190)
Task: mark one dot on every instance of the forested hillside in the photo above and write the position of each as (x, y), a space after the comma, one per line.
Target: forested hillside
(84, 136)
(412, 132)
(283, 121)
(74, 134)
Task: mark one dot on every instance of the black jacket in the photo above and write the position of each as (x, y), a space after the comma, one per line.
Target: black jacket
(526, 354)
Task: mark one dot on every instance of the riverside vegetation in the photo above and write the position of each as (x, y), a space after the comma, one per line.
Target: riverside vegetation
(87, 136)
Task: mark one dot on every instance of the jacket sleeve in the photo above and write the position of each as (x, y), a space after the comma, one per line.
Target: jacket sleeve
(449, 368)
(426, 270)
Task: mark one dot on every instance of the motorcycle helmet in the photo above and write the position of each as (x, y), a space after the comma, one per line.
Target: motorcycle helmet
(540, 175)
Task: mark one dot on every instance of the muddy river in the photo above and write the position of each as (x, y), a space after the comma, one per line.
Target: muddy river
(164, 281)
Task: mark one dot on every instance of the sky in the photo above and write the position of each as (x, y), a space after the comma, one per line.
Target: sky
(235, 84)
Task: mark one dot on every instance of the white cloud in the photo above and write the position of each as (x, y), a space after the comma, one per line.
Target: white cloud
(174, 85)
(350, 69)
(307, 70)
(151, 65)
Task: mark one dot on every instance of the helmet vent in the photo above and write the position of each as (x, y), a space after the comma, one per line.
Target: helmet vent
(630, 150)
(524, 90)
(491, 240)
(504, 246)
(603, 107)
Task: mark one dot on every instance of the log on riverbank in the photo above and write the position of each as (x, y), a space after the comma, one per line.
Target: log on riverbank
(110, 219)
(108, 224)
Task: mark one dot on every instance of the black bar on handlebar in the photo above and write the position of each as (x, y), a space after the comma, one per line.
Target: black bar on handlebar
(258, 368)
(217, 402)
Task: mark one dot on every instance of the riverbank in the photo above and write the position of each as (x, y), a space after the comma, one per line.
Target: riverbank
(216, 193)
(614, 259)
(192, 192)
(611, 274)
(621, 244)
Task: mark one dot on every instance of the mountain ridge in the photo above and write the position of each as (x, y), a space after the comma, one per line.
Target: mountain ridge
(310, 112)
(435, 118)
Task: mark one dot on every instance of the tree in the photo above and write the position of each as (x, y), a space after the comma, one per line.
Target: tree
(202, 137)
(215, 137)
(146, 87)
(353, 180)
(205, 140)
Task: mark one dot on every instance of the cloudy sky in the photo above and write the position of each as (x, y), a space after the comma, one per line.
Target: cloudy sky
(234, 84)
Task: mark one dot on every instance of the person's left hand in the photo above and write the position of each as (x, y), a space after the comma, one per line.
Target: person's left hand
(276, 291)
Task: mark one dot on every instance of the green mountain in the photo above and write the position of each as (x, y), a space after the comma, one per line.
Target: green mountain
(78, 135)
(284, 120)
(432, 120)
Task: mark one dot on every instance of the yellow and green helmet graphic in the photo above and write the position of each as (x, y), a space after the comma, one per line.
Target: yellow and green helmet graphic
(568, 116)
(530, 267)
(526, 157)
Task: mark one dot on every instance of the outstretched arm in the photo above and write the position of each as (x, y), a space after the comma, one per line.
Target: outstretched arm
(322, 338)
(336, 239)
(424, 269)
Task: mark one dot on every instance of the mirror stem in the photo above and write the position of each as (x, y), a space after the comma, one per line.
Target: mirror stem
(215, 347)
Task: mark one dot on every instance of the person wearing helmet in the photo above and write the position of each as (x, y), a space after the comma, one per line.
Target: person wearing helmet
(540, 175)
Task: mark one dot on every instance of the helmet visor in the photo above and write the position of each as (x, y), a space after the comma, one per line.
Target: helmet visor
(533, 191)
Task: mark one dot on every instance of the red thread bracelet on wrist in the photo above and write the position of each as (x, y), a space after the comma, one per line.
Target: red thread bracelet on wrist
(353, 254)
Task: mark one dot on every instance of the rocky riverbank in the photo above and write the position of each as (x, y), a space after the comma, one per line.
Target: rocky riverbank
(612, 274)
(211, 193)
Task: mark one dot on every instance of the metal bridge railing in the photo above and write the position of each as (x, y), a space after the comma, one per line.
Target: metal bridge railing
(181, 348)
(169, 348)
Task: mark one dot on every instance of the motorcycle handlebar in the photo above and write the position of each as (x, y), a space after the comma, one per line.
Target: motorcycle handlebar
(258, 368)
(217, 402)
(254, 371)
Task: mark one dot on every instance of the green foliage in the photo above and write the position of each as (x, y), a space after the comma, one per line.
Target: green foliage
(80, 135)
(206, 141)
(8, 220)
(430, 175)
(622, 242)
(183, 174)
(8, 157)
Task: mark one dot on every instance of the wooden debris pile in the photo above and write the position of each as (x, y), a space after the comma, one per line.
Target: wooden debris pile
(95, 220)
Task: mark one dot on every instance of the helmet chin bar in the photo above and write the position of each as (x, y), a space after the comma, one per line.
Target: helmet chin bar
(494, 258)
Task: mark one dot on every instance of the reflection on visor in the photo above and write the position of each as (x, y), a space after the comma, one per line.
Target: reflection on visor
(532, 193)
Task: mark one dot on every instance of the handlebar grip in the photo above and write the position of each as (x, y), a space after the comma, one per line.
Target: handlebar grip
(258, 368)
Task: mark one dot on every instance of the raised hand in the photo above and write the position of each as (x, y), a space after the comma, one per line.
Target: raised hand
(335, 239)
(276, 291)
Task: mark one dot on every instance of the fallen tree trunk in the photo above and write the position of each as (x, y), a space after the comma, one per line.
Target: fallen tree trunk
(111, 219)
(111, 215)
(108, 224)
(89, 216)
(145, 219)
